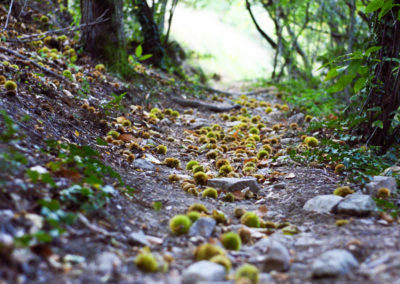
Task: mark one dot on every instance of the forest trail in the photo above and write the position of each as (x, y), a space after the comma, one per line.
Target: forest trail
(87, 184)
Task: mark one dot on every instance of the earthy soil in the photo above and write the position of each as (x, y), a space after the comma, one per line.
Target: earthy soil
(56, 113)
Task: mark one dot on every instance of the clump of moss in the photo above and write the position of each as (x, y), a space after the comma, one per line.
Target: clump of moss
(198, 208)
(100, 67)
(172, 162)
(210, 192)
(2, 80)
(229, 197)
(276, 127)
(173, 178)
(130, 158)
(200, 178)
(126, 122)
(250, 219)
(212, 155)
(268, 110)
(308, 118)
(254, 130)
(383, 192)
(146, 262)
(294, 125)
(221, 162)
(342, 222)
(274, 141)
(187, 186)
(193, 216)
(222, 260)
(225, 169)
(161, 149)
(311, 141)
(197, 168)
(285, 107)
(231, 241)
(10, 85)
(207, 251)
(262, 154)
(180, 224)
(44, 19)
(249, 272)
(191, 164)
(193, 191)
(218, 216)
(114, 134)
(343, 191)
(339, 168)
(67, 74)
(175, 113)
(239, 212)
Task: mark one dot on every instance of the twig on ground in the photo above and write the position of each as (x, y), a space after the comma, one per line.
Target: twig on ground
(26, 38)
(44, 69)
(8, 15)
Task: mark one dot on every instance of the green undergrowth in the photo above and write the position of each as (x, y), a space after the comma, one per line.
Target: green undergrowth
(73, 177)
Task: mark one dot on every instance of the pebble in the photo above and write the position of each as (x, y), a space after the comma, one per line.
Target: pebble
(322, 203)
(380, 181)
(275, 255)
(355, 204)
(203, 271)
(333, 263)
(203, 226)
(143, 165)
(234, 184)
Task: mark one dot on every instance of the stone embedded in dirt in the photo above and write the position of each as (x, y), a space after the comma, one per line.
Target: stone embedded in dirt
(232, 123)
(275, 255)
(138, 238)
(297, 118)
(105, 262)
(5, 216)
(143, 165)
(380, 181)
(199, 123)
(333, 263)
(234, 184)
(203, 226)
(355, 204)
(322, 203)
(203, 271)
(281, 185)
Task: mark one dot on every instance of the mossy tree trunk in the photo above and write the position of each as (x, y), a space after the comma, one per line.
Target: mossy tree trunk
(384, 95)
(152, 39)
(105, 41)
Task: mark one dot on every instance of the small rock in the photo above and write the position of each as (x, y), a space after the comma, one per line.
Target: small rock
(105, 262)
(380, 181)
(199, 123)
(355, 204)
(5, 216)
(138, 238)
(233, 123)
(234, 184)
(334, 263)
(143, 164)
(275, 255)
(264, 171)
(203, 271)
(204, 226)
(279, 186)
(322, 203)
(297, 118)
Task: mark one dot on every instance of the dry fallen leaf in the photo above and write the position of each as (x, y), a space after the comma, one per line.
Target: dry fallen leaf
(290, 176)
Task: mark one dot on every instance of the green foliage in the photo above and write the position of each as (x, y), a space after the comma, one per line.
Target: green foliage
(114, 103)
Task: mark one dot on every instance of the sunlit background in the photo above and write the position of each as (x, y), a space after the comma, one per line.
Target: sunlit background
(225, 40)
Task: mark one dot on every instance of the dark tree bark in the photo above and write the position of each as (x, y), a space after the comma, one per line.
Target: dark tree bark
(385, 90)
(152, 40)
(105, 41)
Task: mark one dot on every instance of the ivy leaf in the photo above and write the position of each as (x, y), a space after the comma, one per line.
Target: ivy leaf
(359, 84)
(374, 5)
(378, 123)
(372, 49)
(331, 74)
(386, 8)
(139, 51)
(144, 57)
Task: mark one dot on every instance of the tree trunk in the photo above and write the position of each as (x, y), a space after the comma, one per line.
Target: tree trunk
(150, 32)
(385, 90)
(105, 41)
